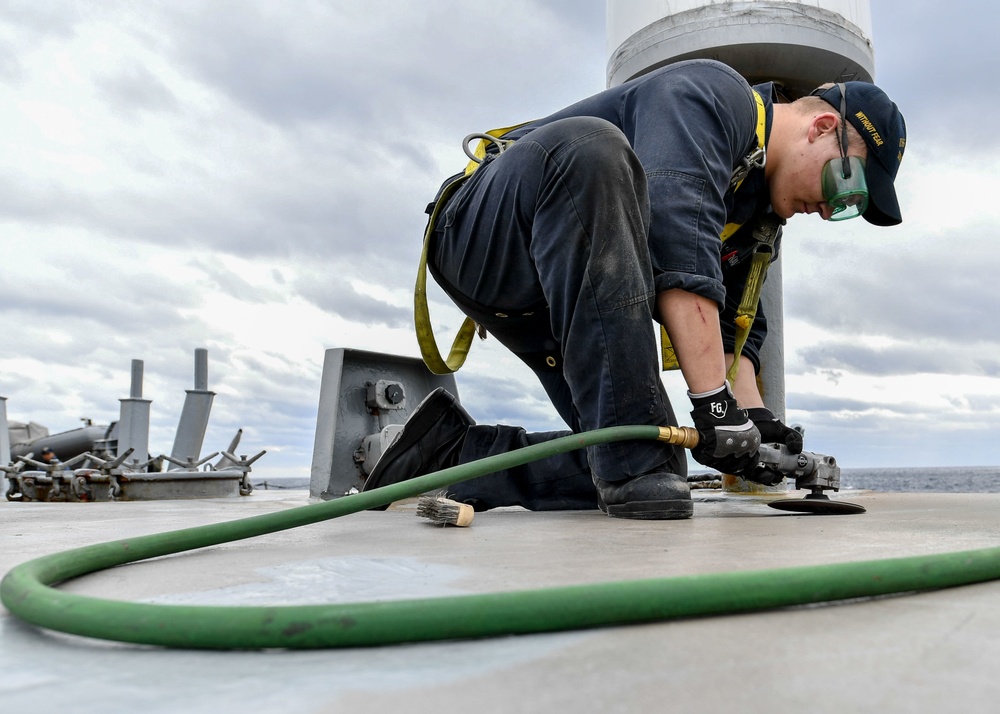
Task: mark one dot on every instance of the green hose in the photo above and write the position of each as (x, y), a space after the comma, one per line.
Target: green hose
(27, 590)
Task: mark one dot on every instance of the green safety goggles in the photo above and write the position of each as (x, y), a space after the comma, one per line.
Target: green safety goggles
(844, 186)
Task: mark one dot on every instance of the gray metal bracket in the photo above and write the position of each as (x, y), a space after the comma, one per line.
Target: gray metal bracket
(363, 396)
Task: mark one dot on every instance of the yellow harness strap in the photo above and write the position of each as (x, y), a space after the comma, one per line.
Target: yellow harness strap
(421, 313)
(765, 232)
(751, 291)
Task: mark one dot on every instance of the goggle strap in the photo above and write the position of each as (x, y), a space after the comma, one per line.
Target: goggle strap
(843, 131)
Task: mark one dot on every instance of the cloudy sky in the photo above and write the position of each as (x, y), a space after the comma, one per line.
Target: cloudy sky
(250, 178)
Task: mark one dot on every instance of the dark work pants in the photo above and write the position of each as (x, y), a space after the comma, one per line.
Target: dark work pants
(545, 246)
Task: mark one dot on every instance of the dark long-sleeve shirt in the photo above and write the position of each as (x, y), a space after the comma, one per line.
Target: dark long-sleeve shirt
(691, 123)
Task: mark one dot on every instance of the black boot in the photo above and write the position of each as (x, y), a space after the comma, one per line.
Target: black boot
(431, 440)
(655, 496)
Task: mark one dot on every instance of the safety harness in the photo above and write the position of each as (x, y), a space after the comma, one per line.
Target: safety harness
(421, 314)
(764, 232)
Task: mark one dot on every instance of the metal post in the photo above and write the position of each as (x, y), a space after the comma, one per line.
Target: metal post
(771, 379)
(4, 434)
(772, 354)
(133, 424)
(194, 417)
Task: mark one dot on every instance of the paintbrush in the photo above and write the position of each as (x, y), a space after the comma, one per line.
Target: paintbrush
(444, 511)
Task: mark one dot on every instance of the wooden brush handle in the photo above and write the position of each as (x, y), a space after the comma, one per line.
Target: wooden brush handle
(465, 515)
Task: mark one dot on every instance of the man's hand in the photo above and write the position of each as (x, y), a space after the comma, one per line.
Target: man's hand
(773, 431)
(728, 438)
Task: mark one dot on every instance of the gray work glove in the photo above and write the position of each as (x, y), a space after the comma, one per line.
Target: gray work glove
(728, 438)
(773, 431)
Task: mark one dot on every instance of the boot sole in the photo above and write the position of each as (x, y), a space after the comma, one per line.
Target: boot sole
(653, 510)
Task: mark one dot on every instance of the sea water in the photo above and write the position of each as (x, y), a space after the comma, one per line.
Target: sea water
(940, 479)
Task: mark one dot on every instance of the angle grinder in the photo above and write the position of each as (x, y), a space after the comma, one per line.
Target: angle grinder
(813, 472)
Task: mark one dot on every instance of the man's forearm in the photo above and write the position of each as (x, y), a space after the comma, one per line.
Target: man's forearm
(692, 321)
(745, 387)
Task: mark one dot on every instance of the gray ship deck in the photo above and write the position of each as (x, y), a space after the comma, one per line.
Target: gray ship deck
(917, 653)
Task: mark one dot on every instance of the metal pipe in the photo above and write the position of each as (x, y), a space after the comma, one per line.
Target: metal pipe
(133, 423)
(135, 391)
(4, 433)
(197, 408)
(201, 369)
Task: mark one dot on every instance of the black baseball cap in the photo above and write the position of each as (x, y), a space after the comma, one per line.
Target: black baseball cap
(880, 122)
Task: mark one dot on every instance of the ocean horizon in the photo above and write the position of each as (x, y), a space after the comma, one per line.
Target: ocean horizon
(931, 479)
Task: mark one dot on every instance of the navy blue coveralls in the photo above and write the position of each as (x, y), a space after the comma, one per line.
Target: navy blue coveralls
(559, 245)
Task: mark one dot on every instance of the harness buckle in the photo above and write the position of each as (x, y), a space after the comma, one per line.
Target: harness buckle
(756, 159)
(501, 144)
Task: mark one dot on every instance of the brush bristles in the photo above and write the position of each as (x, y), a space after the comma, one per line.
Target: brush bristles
(445, 511)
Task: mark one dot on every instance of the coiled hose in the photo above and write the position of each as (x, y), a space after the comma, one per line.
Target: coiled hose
(28, 593)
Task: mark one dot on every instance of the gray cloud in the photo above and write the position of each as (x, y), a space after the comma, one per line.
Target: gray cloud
(333, 294)
(43, 20)
(355, 105)
(916, 288)
(134, 89)
(359, 70)
(116, 302)
(333, 210)
(922, 47)
(819, 404)
(233, 284)
(930, 357)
